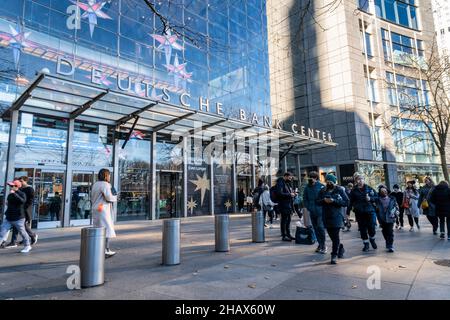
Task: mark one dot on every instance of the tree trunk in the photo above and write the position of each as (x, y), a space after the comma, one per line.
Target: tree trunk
(444, 164)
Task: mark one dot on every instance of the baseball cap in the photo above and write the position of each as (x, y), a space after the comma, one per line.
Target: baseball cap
(15, 183)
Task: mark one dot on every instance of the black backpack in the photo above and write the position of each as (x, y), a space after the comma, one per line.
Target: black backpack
(256, 196)
(274, 194)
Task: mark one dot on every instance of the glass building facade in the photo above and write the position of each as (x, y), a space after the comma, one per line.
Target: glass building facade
(76, 74)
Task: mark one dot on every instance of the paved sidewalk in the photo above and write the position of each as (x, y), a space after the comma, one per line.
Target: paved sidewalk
(271, 270)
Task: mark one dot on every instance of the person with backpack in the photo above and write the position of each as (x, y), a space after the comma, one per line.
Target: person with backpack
(410, 203)
(333, 199)
(267, 205)
(274, 198)
(362, 200)
(348, 211)
(310, 196)
(398, 194)
(387, 212)
(285, 195)
(440, 197)
(428, 207)
(257, 195)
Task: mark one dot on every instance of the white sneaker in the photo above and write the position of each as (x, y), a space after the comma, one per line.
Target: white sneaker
(26, 249)
(412, 229)
(109, 253)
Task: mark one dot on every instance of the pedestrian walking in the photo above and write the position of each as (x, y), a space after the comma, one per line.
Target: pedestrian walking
(427, 207)
(15, 216)
(257, 197)
(362, 200)
(28, 208)
(387, 212)
(348, 223)
(285, 195)
(249, 203)
(410, 203)
(274, 198)
(267, 206)
(333, 199)
(241, 199)
(440, 197)
(310, 196)
(102, 207)
(398, 194)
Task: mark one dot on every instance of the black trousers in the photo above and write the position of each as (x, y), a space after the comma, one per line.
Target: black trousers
(285, 223)
(366, 225)
(399, 219)
(333, 233)
(412, 219)
(434, 222)
(442, 221)
(388, 233)
(270, 213)
(15, 232)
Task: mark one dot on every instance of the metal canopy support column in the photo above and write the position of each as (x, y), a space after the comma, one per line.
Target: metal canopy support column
(211, 172)
(251, 150)
(130, 132)
(153, 177)
(116, 173)
(11, 153)
(68, 177)
(234, 185)
(185, 172)
(299, 172)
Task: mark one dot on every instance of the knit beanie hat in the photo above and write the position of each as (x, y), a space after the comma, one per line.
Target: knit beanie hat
(331, 177)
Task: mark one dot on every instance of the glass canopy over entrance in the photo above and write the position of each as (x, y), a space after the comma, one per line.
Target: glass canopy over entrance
(177, 133)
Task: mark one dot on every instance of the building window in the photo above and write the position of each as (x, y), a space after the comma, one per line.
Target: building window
(403, 47)
(402, 12)
(366, 44)
(410, 92)
(363, 5)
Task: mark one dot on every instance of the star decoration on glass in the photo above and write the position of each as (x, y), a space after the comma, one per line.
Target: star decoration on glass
(202, 184)
(228, 204)
(167, 42)
(191, 205)
(92, 10)
(223, 164)
(17, 40)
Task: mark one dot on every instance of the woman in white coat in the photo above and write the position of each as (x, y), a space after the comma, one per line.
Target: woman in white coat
(102, 206)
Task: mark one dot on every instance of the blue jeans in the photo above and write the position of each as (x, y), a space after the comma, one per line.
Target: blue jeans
(19, 225)
(319, 229)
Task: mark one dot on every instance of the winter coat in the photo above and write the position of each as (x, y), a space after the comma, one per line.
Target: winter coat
(425, 193)
(399, 197)
(310, 196)
(440, 197)
(264, 200)
(413, 197)
(15, 202)
(359, 202)
(284, 197)
(257, 196)
(102, 207)
(28, 206)
(332, 212)
(389, 214)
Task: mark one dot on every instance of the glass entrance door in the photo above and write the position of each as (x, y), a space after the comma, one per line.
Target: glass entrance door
(48, 204)
(169, 195)
(50, 194)
(80, 205)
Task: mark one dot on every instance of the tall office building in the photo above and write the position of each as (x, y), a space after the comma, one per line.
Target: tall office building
(441, 14)
(342, 67)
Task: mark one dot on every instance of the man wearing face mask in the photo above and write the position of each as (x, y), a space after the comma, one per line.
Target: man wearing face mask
(362, 200)
(332, 199)
(310, 197)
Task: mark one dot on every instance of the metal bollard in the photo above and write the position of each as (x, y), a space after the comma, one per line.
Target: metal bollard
(92, 256)
(222, 234)
(171, 242)
(258, 227)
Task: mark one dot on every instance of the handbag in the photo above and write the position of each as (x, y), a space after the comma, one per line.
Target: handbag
(405, 203)
(305, 235)
(425, 205)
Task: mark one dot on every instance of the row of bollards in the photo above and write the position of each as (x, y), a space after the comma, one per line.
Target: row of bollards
(92, 250)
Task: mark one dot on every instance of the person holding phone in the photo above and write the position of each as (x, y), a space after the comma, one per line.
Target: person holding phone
(362, 200)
